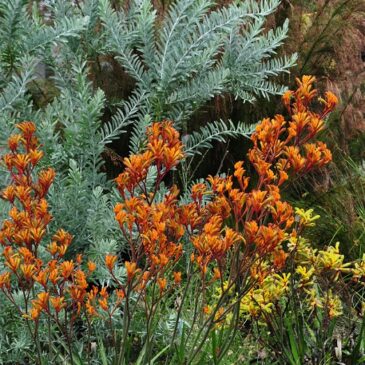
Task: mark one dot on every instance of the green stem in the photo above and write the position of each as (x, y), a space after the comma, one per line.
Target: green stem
(68, 340)
(180, 310)
(149, 323)
(126, 321)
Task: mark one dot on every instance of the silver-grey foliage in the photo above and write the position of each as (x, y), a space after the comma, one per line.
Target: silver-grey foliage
(197, 52)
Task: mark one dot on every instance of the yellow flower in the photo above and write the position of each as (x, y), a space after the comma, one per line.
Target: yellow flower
(283, 280)
(313, 300)
(359, 269)
(305, 253)
(331, 259)
(262, 299)
(306, 275)
(333, 305)
(306, 217)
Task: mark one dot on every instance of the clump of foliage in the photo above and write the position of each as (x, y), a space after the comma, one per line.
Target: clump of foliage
(53, 55)
(52, 51)
(329, 39)
(201, 265)
(203, 273)
(197, 52)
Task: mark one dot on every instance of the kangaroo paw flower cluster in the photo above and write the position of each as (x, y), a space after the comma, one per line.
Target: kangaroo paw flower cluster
(233, 239)
(59, 284)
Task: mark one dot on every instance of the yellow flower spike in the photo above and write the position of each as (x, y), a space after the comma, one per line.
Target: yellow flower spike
(359, 269)
(313, 300)
(333, 305)
(305, 254)
(331, 259)
(305, 275)
(267, 308)
(306, 217)
(284, 279)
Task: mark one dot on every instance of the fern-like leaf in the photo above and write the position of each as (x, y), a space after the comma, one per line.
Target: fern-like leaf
(129, 113)
(216, 131)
